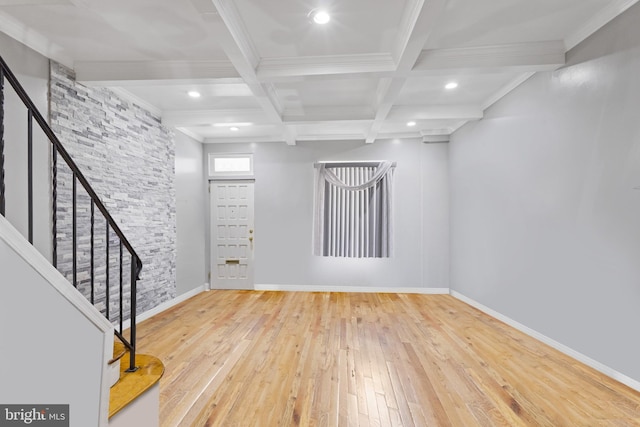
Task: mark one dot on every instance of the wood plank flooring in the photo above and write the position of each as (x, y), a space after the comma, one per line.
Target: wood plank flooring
(250, 358)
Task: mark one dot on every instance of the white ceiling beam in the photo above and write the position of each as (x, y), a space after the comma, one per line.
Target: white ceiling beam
(126, 73)
(435, 132)
(443, 136)
(332, 137)
(430, 139)
(435, 112)
(242, 44)
(236, 42)
(388, 91)
(243, 140)
(536, 56)
(419, 19)
(276, 68)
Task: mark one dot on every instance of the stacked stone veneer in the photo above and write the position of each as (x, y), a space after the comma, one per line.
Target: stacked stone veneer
(128, 158)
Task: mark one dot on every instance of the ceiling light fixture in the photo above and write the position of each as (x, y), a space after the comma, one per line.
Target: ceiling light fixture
(194, 94)
(319, 16)
(411, 124)
(451, 85)
(234, 128)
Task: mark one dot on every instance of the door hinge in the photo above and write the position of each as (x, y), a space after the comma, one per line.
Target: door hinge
(209, 275)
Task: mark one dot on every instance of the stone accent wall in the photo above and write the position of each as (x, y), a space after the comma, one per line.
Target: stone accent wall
(128, 158)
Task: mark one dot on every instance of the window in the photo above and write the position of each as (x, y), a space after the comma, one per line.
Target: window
(353, 209)
(230, 165)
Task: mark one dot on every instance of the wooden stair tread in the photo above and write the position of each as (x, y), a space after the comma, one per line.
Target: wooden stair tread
(119, 350)
(134, 384)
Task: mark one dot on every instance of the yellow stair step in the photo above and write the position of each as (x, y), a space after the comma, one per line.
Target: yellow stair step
(133, 384)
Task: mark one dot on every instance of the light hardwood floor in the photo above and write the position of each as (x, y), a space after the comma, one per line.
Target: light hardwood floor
(249, 358)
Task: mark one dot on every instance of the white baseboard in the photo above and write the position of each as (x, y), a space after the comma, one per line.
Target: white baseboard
(366, 289)
(630, 382)
(166, 305)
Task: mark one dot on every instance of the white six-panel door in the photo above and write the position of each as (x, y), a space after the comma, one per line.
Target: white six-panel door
(232, 234)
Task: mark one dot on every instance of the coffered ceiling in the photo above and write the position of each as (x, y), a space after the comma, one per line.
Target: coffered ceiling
(266, 72)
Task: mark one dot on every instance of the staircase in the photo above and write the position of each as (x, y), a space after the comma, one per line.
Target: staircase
(113, 293)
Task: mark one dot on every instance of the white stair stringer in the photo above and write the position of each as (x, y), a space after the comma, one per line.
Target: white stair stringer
(56, 345)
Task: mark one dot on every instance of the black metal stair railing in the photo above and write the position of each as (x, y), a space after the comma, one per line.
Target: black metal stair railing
(111, 226)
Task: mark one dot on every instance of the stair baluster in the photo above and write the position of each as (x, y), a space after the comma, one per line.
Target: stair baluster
(78, 178)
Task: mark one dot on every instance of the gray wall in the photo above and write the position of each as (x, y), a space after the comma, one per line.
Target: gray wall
(129, 158)
(32, 70)
(191, 268)
(284, 213)
(545, 201)
(434, 198)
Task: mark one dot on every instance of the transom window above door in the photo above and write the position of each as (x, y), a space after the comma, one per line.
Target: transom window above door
(230, 165)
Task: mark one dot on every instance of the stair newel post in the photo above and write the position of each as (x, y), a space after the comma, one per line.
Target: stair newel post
(2, 199)
(132, 317)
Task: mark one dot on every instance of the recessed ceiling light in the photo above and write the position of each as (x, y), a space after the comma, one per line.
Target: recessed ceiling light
(411, 123)
(194, 94)
(234, 128)
(451, 85)
(319, 16)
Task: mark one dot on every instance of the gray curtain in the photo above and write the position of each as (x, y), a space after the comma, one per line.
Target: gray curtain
(353, 209)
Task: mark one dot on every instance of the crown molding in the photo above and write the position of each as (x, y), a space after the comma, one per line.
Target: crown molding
(190, 134)
(271, 68)
(604, 16)
(431, 139)
(535, 56)
(504, 90)
(128, 96)
(34, 40)
(119, 73)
